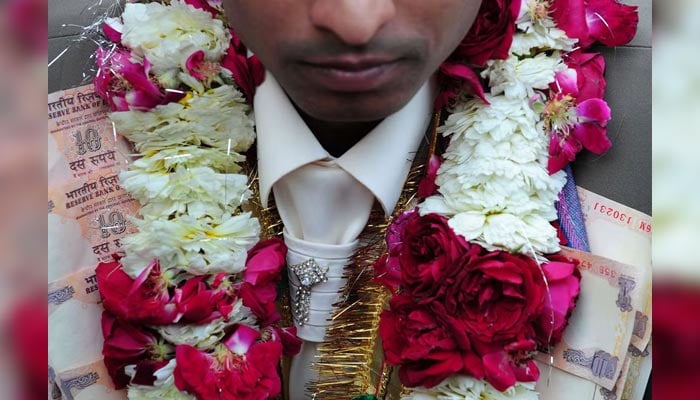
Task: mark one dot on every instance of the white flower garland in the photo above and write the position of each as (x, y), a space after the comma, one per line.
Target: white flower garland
(188, 176)
(460, 387)
(167, 34)
(493, 183)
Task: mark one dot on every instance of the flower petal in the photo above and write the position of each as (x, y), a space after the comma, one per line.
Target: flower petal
(566, 81)
(610, 22)
(593, 137)
(241, 340)
(593, 110)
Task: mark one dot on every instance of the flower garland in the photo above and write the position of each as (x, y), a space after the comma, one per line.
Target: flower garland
(190, 307)
(477, 286)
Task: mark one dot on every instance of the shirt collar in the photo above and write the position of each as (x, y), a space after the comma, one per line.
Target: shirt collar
(285, 143)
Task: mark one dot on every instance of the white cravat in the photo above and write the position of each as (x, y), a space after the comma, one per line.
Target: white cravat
(325, 202)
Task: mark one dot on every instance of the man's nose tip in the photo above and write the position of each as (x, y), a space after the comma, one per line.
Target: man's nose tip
(355, 22)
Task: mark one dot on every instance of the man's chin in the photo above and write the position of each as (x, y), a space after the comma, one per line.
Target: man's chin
(352, 109)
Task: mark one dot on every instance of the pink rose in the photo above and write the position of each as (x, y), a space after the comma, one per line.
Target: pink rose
(243, 367)
(247, 72)
(259, 303)
(126, 85)
(509, 362)
(387, 268)
(199, 304)
(427, 186)
(572, 121)
(265, 262)
(563, 279)
(145, 300)
(291, 344)
(606, 21)
(590, 70)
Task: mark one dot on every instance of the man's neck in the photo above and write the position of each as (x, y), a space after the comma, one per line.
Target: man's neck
(338, 137)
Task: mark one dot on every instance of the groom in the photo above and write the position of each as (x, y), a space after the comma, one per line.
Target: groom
(345, 104)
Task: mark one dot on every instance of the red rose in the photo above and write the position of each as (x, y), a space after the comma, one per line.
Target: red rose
(430, 252)
(495, 296)
(491, 34)
(247, 72)
(124, 345)
(455, 77)
(423, 341)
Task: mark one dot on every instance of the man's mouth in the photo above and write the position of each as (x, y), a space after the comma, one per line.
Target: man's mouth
(352, 73)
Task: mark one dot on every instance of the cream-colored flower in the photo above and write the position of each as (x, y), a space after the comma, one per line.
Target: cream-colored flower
(537, 30)
(218, 118)
(199, 246)
(206, 336)
(519, 78)
(460, 387)
(493, 183)
(166, 35)
(500, 119)
(197, 191)
(167, 160)
(163, 387)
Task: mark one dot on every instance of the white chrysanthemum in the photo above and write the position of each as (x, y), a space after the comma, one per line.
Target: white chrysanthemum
(459, 387)
(166, 35)
(163, 387)
(218, 118)
(500, 119)
(490, 190)
(206, 336)
(167, 160)
(538, 30)
(518, 78)
(494, 183)
(197, 191)
(199, 246)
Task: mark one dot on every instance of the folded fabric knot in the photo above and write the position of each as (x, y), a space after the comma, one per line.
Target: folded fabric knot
(316, 280)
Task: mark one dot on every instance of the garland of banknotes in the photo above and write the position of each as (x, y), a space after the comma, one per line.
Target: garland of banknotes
(190, 307)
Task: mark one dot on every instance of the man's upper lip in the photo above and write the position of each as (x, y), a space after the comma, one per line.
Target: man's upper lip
(351, 62)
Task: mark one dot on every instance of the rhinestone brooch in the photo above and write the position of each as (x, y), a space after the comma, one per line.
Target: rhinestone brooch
(309, 274)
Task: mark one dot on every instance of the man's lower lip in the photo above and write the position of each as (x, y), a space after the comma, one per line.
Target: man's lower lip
(351, 81)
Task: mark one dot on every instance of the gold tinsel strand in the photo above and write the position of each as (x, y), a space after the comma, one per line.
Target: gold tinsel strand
(350, 360)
